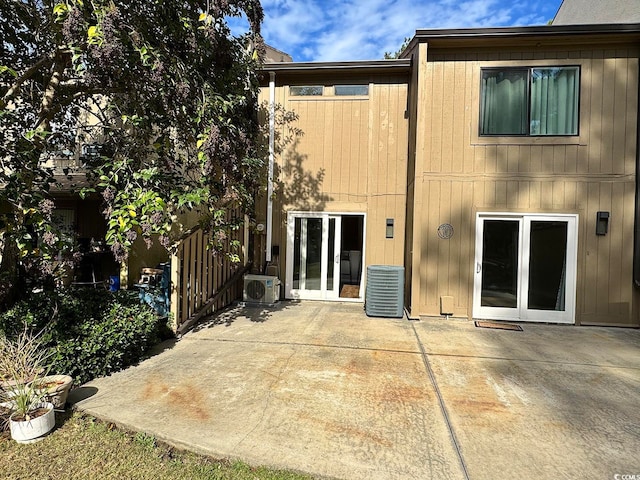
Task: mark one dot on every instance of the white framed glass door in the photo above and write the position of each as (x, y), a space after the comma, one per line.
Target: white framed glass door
(525, 267)
(313, 256)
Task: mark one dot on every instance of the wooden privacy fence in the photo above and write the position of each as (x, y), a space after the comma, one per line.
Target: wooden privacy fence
(202, 281)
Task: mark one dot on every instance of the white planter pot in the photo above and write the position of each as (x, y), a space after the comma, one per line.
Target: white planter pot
(28, 431)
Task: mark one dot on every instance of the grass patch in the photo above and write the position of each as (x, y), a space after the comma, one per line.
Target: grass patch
(82, 447)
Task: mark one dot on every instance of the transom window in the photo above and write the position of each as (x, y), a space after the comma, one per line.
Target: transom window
(306, 90)
(355, 90)
(539, 101)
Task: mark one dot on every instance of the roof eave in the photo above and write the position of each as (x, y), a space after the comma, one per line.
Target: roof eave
(544, 30)
(369, 66)
(453, 37)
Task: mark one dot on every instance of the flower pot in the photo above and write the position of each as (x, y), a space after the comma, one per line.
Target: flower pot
(54, 389)
(19, 391)
(34, 428)
(9, 385)
(9, 388)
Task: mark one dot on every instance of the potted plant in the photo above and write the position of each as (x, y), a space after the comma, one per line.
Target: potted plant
(31, 417)
(22, 364)
(21, 360)
(54, 389)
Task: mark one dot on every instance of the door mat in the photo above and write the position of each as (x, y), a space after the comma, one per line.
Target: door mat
(350, 291)
(498, 326)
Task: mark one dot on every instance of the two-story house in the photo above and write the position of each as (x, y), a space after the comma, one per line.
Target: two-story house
(497, 166)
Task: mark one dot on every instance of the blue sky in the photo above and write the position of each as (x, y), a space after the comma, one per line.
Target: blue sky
(320, 30)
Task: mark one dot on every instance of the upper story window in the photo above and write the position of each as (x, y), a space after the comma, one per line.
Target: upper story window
(355, 90)
(305, 90)
(539, 101)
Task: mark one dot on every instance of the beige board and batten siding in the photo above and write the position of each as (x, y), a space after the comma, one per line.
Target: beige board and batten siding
(460, 173)
(350, 157)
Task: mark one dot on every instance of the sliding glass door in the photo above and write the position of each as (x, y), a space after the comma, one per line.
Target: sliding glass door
(313, 257)
(525, 267)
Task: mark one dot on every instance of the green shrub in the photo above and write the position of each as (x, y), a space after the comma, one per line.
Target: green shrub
(90, 333)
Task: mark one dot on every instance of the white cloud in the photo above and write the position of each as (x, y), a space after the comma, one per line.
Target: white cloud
(292, 23)
(365, 29)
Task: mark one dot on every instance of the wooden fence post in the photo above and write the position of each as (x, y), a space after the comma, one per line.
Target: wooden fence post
(174, 288)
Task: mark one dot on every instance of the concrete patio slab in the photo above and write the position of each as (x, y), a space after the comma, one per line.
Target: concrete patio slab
(324, 389)
(314, 387)
(548, 402)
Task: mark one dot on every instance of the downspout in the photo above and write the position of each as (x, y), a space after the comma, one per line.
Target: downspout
(636, 226)
(272, 129)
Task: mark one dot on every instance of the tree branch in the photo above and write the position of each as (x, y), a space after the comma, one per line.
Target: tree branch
(31, 71)
(47, 109)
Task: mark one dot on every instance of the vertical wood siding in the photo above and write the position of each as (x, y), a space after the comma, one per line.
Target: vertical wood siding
(350, 157)
(463, 174)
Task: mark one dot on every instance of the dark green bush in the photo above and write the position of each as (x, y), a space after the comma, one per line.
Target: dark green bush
(91, 333)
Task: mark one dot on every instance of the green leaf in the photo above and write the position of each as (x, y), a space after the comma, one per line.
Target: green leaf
(92, 32)
(60, 9)
(10, 71)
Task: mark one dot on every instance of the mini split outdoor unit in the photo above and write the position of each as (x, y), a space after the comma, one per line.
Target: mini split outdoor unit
(384, 296)
(261, 289)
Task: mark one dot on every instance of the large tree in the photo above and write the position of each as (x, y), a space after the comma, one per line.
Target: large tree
(162, 86)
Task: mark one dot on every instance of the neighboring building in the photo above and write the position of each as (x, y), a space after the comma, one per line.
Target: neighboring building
(498, 166)
(83, 219)
(574, 12)
(273, 55)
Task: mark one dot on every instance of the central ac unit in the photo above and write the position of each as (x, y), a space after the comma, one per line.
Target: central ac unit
(384, 296)
(262, 289)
